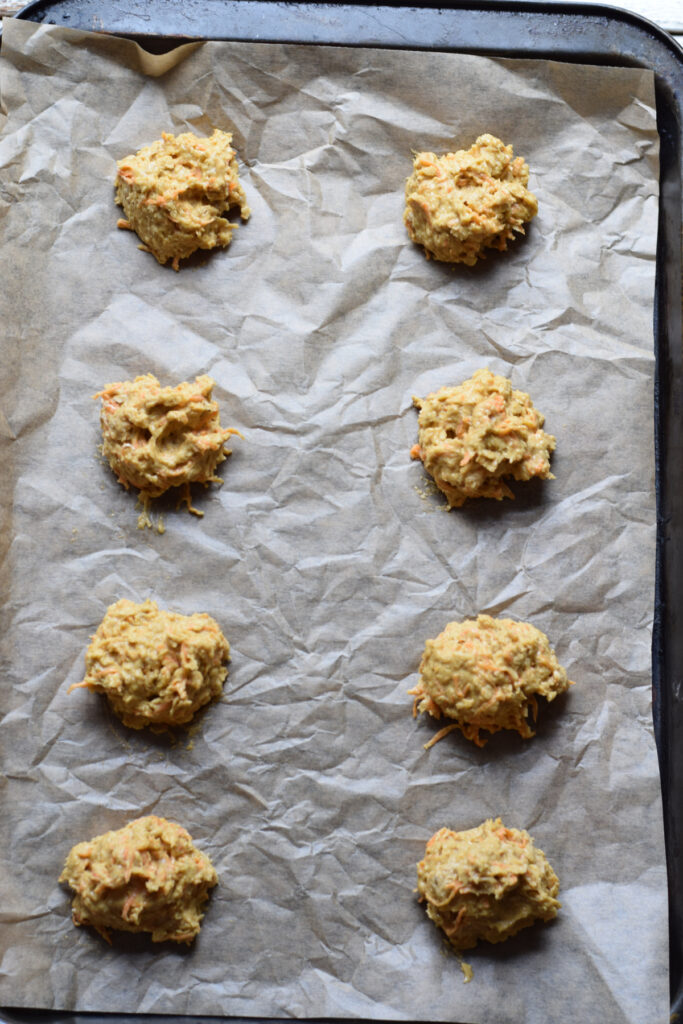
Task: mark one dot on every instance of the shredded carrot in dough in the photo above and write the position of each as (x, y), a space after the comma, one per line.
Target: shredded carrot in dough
(486, 883)
(474, 435)
(156, 668)
(156, 438)
(485, 674)
(176, 192)
(460, 204)
(145, 877)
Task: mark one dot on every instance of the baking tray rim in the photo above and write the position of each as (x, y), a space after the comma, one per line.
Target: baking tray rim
(661, 54)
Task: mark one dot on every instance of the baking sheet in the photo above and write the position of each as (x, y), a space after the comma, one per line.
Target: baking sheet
(325, 557)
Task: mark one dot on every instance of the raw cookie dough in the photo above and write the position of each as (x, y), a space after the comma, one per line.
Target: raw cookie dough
(459, 204)
(486, 674)
(145, 877)
(176, 192)
(486, 883)
(156, 668)
(155, 437)
(473, 435)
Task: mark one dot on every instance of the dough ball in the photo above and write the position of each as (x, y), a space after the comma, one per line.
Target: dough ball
(155, 437)
(472, 436)
(486, 883)
(462, 203)
(156, 668)
(145, 877)
(175, 193)
(486, 674)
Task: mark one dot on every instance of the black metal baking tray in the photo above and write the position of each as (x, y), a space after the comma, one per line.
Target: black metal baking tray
(587, 34)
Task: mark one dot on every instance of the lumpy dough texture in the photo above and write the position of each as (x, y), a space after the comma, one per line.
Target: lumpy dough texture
(462, 203)
(472, 436)
(486, 674)
(156, 668)
(145, 877)
(155, 437)
(176, 192)
(486, 883)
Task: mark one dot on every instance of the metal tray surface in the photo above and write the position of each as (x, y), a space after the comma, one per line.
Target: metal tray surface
(580, 33)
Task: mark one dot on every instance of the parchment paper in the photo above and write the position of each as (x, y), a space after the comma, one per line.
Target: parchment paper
(326, 556)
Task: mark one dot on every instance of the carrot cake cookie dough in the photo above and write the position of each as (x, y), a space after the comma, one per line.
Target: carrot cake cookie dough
(176, 192)
(486, 674)
(145, 877)
(486, 883)
(472, 436)
(462, 203)
(156, 438)
(156, 668)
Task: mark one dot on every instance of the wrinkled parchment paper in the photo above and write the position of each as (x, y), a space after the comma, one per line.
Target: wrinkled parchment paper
(326, 557)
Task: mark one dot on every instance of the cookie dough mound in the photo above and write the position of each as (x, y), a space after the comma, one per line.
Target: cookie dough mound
(175, 193)
(486, 883)
(156, 668)
(462, 203)
(472, 436)
(155, 437)
(145, 877)
(486, 674)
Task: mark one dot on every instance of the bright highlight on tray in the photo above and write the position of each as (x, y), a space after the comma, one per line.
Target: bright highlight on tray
(472, 436)
(485, 674)
(486, 883)
(156, 668)
(176, 192)
(145, 877)
(460, 204)
(156, 438)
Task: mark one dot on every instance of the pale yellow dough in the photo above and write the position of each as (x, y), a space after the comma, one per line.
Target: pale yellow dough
(486, 674)
(145, 877)
(156, 668)
(156, 438)
(486, 883)
(472, 436)
(462, 203)
(176, 192)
